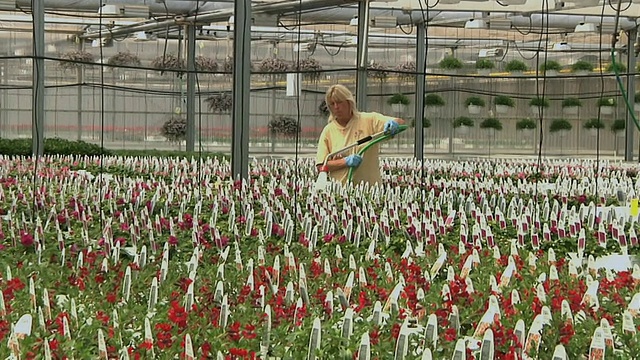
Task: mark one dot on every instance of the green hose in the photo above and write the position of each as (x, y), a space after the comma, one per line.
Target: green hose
(374, 142)
(630, 108)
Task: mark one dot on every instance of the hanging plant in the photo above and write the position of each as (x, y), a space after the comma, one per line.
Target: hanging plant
(462, 121)
(491, 123)
(560, 125)
(526, 124)
(206, 64)
(312, 69)
(618, 125)
(174, 129)
(274, 65)
(220, 103)
(406, 71)
(323, 109)
(227, 65)
(594, 123)
(75, 59)
(124, 58)
(516, 66)
(168, 62)
(451, 63)
(377, 71)
(284, 125)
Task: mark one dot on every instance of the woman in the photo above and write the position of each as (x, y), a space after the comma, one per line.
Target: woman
(346, 126)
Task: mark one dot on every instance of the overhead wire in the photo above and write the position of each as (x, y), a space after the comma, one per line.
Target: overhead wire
(602, 91)
(540, 95)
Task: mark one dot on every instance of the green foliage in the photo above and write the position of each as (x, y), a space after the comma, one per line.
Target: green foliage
(618, 125)
(559, 125)
(571, 102)
(491, 123)
(54, 146)
(581, 66)
(451, 63)
(504, 100)
(551, 65)
(616, 67)
(539, 101)
(398, 99)
(426, 123)
(516, 65)
(474, 100)
(484, 64)
(637, 98)
(462, 121)
(433, 100)
(168, 154)
(594, 123)
(526, 124)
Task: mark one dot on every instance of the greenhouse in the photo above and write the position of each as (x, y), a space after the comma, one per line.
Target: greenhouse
(173, 182)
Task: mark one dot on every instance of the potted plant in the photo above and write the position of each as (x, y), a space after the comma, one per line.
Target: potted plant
(220, 103)
(406, 71)
(607, 105)
(76, 59)
(616, 68)
(492, 125)
(636, 102)
(169, 62)
(124, 58)
(462, 124)
(433, 101)
(377, 71)
(551, 68)
(284, 125)
(537, 104)
(206, 64)
(398, 102)
(274, 68)
(593, 125)
(618, 126)
(503, 103)
(560, 126)
(311, 69)
(581, 67)
(526, 124)
(516, 67)
(426, 123)
(474, 104)
(484, 66)
(174, 129)
(323, 109)
(451, 64)
(571, 105)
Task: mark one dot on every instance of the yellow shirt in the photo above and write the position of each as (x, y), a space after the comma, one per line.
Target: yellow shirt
(335, 136)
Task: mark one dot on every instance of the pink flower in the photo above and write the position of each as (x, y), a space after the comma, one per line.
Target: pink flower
(26, 239)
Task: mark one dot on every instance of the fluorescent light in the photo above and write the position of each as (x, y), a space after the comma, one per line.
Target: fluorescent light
(475, 24)
(389, 22)
(561, 46)
(586, 27)
(354, 21)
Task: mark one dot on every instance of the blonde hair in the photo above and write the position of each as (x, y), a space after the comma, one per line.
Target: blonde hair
(337, 93)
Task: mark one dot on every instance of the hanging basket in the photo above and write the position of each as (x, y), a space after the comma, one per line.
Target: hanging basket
(462, 130)
(502, 109)
(606, 110)
(474, 109)
(398, 108)
(571, 110)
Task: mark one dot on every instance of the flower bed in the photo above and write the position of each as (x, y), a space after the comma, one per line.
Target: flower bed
(170, 257)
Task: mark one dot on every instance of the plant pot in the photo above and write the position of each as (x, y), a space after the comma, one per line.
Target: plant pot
(620, 133)
(535, 110)
(581, 73)
(593, 132)
(490, 132)
(502, 109)
(527, 132)
(462, 130)
(484, 72)
(449, 71)
(516, 73)
(474, 109)
(563, 133)
(551, 73)
(636, 107)
(606, 110)
(398, 108)
(431, 108)
(571, 110)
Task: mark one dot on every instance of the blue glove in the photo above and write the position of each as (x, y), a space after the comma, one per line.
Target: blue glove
(353, 160)
(392, 127)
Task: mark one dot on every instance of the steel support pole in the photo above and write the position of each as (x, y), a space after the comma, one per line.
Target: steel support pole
(38, 95)
(361, 61)
(421, 54)
(630, 126)
(80, 75)
(191, 88)
(241, 89)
